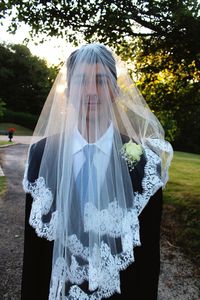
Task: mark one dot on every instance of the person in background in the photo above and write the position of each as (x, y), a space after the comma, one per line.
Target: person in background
(11, 133)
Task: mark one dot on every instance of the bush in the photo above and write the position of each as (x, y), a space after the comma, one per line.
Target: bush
(25, 119)
(2, 107)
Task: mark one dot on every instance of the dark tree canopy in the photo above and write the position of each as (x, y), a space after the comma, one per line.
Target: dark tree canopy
(25, 79)
(159, 38)
(172, 90)
(170, 24)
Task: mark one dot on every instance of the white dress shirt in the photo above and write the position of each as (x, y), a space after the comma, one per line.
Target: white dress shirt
(104, 145)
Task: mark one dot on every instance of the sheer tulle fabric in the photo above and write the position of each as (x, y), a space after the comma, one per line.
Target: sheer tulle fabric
(83, 197)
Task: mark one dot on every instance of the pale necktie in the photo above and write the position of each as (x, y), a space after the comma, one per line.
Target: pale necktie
(87, 172)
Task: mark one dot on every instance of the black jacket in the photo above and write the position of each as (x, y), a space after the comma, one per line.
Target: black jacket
(138, 281)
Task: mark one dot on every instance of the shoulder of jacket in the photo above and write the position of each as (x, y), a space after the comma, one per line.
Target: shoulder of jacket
(38, 147)
(125, 138)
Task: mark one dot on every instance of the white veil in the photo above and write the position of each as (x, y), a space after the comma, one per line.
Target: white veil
(94, 131)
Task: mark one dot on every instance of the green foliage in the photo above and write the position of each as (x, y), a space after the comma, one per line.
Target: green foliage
(173, 25)
(2, 108)
(169, 124)
(25, 119)
(172, 91)
(25, 79)
(166, 54)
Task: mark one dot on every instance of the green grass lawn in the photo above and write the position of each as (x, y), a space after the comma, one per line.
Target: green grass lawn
(3, 185)
(182, 204)
(3, 143)
(20, 130)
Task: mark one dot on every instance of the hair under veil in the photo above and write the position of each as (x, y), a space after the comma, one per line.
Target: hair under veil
(94, 130)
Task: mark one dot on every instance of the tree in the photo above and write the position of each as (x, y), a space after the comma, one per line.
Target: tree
(2, 108)
(170, 24)
(25, 79)
(160, 37)
(172, 91)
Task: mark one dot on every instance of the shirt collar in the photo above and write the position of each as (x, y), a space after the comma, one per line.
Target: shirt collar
(104, 143)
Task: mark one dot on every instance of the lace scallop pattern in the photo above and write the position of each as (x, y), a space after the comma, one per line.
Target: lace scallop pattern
(104, 278)
(42, 202)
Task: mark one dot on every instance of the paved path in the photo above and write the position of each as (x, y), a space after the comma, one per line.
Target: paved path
(178, 280)
(12, 222)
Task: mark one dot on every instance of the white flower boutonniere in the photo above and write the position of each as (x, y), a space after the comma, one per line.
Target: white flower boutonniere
(132, 152)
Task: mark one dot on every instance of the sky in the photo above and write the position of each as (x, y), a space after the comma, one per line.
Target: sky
(54, 50)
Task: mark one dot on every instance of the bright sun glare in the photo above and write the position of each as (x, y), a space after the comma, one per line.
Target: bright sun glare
(54, 50)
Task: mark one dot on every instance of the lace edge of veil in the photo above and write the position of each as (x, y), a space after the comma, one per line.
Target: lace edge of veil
(111, 264)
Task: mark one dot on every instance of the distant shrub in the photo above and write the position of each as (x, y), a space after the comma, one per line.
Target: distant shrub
(25, 119)
(2, 107)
